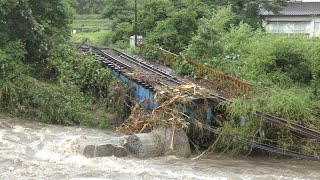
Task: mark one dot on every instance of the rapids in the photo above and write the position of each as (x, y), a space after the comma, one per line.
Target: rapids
(30, 150)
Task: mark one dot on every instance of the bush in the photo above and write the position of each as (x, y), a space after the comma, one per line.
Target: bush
(150, 53)
(11, 61)
(206, 44)
(121, 32)
(284, 56)
(80, 89)
(184, 68)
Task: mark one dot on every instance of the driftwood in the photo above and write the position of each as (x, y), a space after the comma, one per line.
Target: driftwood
(160, 131)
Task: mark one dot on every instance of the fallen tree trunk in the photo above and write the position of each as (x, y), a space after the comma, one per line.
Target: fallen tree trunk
(160, 142)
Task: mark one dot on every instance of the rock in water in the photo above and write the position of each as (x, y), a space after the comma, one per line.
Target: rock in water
(158, 142)
(103, 148)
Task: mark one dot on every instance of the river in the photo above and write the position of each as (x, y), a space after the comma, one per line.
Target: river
(30, 150)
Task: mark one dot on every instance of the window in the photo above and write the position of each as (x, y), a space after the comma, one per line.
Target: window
(276, 27)
(317, 26)
(301, 27)
(288, 27)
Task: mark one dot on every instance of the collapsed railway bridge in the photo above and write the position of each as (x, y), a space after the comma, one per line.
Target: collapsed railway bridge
(146, 79)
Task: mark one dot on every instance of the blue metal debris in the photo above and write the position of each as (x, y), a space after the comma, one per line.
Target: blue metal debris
(139, 92)
(146, 95)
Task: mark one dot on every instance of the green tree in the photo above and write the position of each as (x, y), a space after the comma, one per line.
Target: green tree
(175, 32)
(119, 10)
(177, 26)
(38, 25)
(248, 10)
(206, 44)
(121, 32)
(151, 12)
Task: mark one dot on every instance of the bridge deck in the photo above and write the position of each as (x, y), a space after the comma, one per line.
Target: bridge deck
(147, 72)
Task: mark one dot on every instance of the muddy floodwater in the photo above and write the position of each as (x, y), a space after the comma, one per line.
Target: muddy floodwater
(31, 150)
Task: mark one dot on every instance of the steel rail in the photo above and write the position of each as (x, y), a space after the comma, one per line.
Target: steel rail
(150, 67)
(113, 60)
(292, 126)
(261, 146)
(307, 132)
(114, 65)
(127, 67)
(139, 63)
(143, 63)
(161, 74)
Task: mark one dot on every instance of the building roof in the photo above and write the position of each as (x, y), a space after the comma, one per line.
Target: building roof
(296, 9)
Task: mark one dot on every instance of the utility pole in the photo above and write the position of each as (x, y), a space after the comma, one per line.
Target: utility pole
(136, 23)
(91, 6)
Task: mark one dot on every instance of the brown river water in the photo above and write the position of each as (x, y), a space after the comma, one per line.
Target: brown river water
(30, 150)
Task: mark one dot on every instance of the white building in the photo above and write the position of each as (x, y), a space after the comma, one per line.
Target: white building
(298, 17)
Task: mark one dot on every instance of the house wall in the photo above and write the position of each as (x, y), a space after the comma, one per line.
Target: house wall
(309, 0)
(293, 24)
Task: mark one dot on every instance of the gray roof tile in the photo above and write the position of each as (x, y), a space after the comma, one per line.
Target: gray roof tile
(296, 9)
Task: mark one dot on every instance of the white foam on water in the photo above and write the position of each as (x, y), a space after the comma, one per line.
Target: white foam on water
(2, 140)
(78, 161)
(47, 155)
(147, 169)
(55, 155)
(19, 128)
(61, 149)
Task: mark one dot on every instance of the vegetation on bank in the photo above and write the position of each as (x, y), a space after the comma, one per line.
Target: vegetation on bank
(44, 78)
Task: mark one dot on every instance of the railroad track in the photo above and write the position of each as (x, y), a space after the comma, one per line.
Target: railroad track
(111, 62)
(151, 68)
(307, 132)
(124, 63)
(165, 79)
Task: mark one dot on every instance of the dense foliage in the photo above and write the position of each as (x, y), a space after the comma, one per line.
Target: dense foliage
(36, 24)
(44, 78)
(284, 73)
